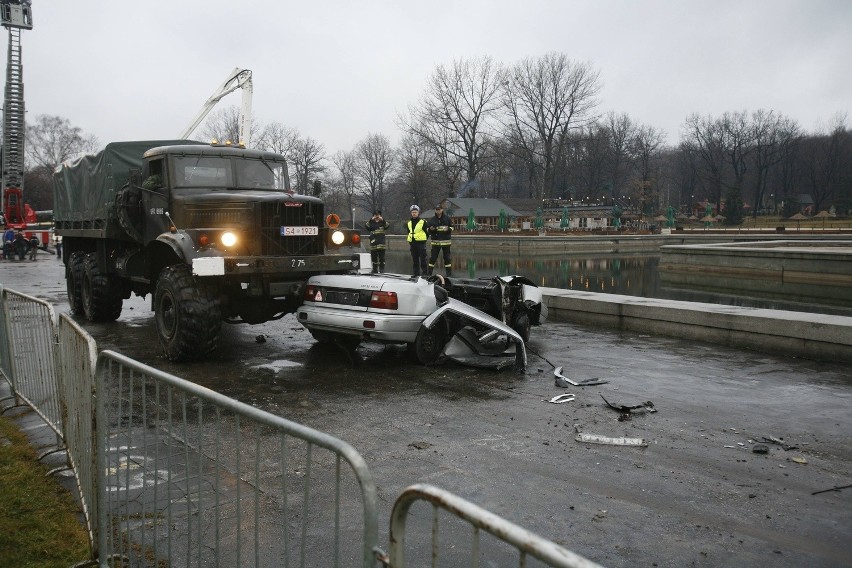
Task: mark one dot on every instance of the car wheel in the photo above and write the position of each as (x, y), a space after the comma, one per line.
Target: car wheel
(521, 324)
(187, 315)
(430, 343)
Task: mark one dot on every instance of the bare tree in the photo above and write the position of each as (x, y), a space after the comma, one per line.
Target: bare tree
(373, 163)
(704, 138)
(345, 182)
(52, 139)
(416, 169)
(454, 113)
(646, 146)
(277, 138)
(772, 136)
(824, 158)
(306, 157)
(621, 130)
(224, 125)
(546, 97)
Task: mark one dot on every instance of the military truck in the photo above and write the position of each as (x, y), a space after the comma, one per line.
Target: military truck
(212, 232)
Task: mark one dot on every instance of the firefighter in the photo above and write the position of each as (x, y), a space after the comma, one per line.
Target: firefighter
(377, 225)
(441, 232)
(417, 242)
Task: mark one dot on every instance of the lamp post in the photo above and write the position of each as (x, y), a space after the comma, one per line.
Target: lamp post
(353, 218)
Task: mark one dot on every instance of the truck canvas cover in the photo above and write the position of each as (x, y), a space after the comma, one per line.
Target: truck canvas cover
(84, 188)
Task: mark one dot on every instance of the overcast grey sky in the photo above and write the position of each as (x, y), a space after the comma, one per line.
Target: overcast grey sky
(338, 70)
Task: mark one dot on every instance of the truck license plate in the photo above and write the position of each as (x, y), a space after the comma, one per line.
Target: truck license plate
(299, 231)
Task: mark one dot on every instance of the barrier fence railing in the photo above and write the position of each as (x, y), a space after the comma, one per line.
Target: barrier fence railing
(76, 354)
(30, 337)
(190, 474)
(525, 544)
(171, 473)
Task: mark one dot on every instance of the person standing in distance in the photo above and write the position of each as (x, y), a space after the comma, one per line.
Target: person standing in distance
(417, 242)
(377, 227)
(441, 231)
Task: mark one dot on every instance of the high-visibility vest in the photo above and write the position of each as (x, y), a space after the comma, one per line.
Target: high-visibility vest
(416, 230)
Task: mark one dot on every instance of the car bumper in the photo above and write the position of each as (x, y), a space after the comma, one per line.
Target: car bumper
(391, 328)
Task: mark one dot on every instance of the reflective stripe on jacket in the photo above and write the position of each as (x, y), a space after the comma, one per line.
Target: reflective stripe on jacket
(416, 230)
(441, 230)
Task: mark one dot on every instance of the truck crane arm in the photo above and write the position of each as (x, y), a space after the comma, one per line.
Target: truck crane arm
(238, 78)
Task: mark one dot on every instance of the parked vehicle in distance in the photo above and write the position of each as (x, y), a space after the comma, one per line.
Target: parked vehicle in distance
(422, 313)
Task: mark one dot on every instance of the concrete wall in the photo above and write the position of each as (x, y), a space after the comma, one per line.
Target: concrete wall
(554, 243)
(797, 334)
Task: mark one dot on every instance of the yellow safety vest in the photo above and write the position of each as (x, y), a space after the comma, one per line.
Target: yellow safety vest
(416, 230)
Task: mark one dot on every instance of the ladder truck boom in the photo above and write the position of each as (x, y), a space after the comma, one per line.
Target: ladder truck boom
(238, 78)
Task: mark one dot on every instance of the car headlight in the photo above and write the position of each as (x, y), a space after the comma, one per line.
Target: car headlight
(337, 237)
(228, 239)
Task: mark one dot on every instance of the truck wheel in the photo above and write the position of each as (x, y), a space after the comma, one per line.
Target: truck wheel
(74, 282)
(430, 343)
(99, 292)
(521, 324)
(187, 314)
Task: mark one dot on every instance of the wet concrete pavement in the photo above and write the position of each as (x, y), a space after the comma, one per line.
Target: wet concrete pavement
(696, 495)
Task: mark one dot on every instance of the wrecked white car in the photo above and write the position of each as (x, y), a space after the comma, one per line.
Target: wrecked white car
(472, 321)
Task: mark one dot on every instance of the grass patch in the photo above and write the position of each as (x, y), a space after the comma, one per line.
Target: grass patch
(38, 524)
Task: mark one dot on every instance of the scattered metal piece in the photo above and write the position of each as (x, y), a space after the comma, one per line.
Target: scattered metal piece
(799, 459)
(562, 381)
(835, 488)
(760, 449)
(646, 406)
(559, 399)
(780, 442)
(260, 339)
(598, 439)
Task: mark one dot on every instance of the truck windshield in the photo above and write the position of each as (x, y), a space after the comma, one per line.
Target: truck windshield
(198, 171)
(232, 173)
(260, 174)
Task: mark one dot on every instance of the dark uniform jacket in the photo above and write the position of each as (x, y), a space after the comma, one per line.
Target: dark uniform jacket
(441, 230)
(377, 233)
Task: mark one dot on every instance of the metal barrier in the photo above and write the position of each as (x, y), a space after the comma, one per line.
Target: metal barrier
(525, 542)
(190, 477)
(30, 326)
(76, 354)
(5, 355)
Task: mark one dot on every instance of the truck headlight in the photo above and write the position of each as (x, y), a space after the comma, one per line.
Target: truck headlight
(337, 237)
(228, 239)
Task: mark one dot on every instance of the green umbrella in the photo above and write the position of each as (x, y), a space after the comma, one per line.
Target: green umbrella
(670, 215)
(471, 220)
(539, 220)
(563, 223)
(502, 221)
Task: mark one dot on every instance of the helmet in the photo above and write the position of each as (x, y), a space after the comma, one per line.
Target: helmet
(414, 208)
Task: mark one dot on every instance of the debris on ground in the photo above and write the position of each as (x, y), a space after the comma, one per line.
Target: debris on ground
(598, 439)
(562, 381)
(760, 449)
(780, 442)
(559, 399)
(835, 488)
(799, 459)
(260, 339)
(646, 406)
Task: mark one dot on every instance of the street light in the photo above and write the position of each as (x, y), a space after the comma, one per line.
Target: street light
(353, 218)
